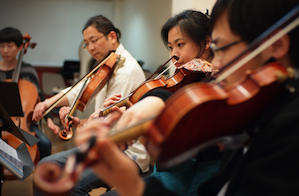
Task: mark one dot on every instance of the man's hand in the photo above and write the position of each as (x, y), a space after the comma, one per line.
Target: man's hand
(39, 110)
(62, 114)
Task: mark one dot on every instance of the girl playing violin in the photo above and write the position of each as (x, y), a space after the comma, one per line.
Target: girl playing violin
(267, 165)
(187, 36)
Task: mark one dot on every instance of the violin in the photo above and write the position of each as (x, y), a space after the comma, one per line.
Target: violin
(181, 77)
(97, 81)
(186, 110)
(29, 98)
(98, 75)
(93, 82)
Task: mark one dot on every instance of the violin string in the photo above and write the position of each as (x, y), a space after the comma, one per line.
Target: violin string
(77, 97)
(175, 57)
(16, 73)
(173, 63)
(258, 50)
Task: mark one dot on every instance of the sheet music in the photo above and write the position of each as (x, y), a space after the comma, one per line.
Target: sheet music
(10, 154)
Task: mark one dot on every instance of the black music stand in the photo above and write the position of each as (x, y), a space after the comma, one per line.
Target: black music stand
(10, 94)
(10, 105)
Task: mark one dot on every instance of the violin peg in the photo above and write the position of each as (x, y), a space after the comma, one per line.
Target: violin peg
(291, 72)
(27, 37)
(281, 77)
(33, 45)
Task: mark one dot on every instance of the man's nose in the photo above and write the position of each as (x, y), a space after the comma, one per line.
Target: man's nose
(91, 47)
(216, 62)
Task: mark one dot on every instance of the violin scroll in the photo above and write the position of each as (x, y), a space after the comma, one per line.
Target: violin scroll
(67, 133)
(27, 43)
(50, 179)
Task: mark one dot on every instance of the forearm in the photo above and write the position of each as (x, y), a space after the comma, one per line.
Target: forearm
(134, 188)
(63, 102)
(147, 107)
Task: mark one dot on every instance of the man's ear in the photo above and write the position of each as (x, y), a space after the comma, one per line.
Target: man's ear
(112, 36)
(208, 42)
(281, 47)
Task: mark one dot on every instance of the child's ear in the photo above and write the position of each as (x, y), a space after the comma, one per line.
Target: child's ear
(208, 41)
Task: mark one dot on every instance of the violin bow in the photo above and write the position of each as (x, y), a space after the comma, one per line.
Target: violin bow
(84, 78)
(175, 57)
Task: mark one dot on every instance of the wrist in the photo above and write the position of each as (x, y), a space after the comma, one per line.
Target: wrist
(49, 121)
(46, 103)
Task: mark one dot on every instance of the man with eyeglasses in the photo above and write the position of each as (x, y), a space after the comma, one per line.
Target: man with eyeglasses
(101, 37)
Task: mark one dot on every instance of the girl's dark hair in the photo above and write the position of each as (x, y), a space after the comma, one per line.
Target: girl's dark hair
(103, 25)
(192, 24)
(250, 18)
(10, 34)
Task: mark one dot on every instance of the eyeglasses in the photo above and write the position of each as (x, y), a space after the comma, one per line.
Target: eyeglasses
(92, 42)
(217, 50)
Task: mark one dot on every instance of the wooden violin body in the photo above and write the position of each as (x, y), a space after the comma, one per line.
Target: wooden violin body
(181, 78)
(202, 114)
(97, 81)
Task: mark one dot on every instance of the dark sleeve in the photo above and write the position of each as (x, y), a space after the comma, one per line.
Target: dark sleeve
(29, 73)
(163, 94)
(154, 187)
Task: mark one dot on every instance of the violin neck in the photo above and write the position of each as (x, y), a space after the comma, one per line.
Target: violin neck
(131, 133)
(16, 73)
(123, 102)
